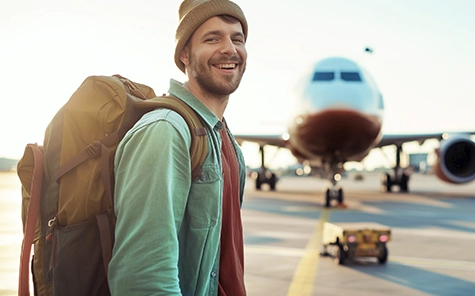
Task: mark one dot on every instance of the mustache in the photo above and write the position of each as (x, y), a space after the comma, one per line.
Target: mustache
(232, 60)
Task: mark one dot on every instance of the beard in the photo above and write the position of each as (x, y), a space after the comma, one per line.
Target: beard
(214, 85)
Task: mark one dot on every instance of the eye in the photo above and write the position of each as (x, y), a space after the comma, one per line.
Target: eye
(238, 40)
(211, 40)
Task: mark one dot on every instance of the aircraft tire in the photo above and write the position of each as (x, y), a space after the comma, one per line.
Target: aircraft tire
(404, 183)
(327, 198)
(272, 182)
(258, 182)
(340, 195)
(386, 183)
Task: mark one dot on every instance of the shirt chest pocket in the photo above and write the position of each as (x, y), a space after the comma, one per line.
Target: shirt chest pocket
(204, 203)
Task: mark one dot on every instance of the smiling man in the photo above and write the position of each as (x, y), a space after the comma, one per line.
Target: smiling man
(214, 59)
(175, 236)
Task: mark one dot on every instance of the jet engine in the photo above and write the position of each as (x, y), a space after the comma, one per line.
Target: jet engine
(456, 160)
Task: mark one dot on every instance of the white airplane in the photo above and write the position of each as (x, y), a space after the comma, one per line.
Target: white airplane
(339, 119)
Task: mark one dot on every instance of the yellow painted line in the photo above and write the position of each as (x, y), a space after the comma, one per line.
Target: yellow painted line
(303, 281)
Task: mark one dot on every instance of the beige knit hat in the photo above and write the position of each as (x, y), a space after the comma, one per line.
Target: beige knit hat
(193, 13)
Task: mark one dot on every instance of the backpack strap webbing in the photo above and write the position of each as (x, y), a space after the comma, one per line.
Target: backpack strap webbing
(198, 151)
(199, 142)
(31, 151)
(105, 232)
(94, 149)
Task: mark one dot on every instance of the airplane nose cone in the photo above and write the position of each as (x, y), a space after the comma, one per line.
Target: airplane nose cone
(341, 95)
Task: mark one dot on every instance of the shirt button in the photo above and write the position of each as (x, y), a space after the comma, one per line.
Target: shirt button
(213, 273)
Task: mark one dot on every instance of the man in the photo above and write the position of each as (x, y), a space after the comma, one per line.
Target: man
(175, 236)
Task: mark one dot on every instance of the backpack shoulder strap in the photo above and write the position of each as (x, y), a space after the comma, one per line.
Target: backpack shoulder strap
(30, 171)
(199, 142)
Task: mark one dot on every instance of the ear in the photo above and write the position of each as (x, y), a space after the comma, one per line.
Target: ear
(185, 56)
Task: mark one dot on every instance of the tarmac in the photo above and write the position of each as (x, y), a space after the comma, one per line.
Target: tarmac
(430, 253)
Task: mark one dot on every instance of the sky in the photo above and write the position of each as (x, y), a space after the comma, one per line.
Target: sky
(422, 58)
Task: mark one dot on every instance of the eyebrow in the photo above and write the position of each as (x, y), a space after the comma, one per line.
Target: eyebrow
(219, 32)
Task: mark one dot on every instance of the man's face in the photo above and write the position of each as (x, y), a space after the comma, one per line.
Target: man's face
(216, 57)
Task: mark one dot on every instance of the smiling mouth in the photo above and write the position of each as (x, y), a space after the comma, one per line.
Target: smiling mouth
(226, 66)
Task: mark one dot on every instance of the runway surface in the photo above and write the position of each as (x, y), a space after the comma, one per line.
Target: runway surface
(431, 251)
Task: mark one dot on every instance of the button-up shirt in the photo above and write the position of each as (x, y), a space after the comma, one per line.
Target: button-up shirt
(167, 236)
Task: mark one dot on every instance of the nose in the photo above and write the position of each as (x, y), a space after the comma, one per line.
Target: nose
(229, 48)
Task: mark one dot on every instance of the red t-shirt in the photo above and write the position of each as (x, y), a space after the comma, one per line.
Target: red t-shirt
(231, 267)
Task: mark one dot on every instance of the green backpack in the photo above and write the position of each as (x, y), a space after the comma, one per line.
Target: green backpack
(67, 184)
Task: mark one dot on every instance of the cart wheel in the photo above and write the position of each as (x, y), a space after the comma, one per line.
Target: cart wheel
(324, 251)
(340, 255)
(383, 257)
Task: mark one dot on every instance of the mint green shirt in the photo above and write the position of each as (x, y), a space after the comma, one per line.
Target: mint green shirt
(168, 229)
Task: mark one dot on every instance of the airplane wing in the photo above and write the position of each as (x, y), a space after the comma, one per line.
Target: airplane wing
(277, 140)
(399, 139)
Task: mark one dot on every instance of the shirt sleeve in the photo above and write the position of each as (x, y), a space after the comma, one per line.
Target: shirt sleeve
(153, 178)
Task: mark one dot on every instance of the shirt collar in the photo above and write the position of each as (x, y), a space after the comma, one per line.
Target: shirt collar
(178, 90)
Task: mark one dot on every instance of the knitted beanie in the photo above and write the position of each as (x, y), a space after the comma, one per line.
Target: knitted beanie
(193, 13)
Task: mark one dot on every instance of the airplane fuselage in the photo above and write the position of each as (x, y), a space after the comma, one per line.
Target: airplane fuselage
(340, 115)
(339, 119)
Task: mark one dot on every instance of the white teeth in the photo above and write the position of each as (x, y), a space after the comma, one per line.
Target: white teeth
(227, 66)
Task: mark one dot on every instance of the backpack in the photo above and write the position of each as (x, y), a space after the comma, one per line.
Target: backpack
(67, 184)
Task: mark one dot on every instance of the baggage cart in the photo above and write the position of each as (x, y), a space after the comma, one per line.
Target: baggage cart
(352, 240)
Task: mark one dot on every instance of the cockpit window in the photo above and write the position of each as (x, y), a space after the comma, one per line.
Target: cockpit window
(323, 76)
(350, 76)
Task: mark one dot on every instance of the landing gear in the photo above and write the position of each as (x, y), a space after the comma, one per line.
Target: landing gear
(332, 193)
(266, 177)
(403, 182)
(387, 182)
(400, 178)
(327, 198)
(340, 196)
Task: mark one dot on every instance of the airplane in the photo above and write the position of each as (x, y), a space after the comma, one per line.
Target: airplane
(339, 119)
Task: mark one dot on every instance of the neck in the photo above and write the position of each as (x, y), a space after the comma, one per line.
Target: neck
(215, 104)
